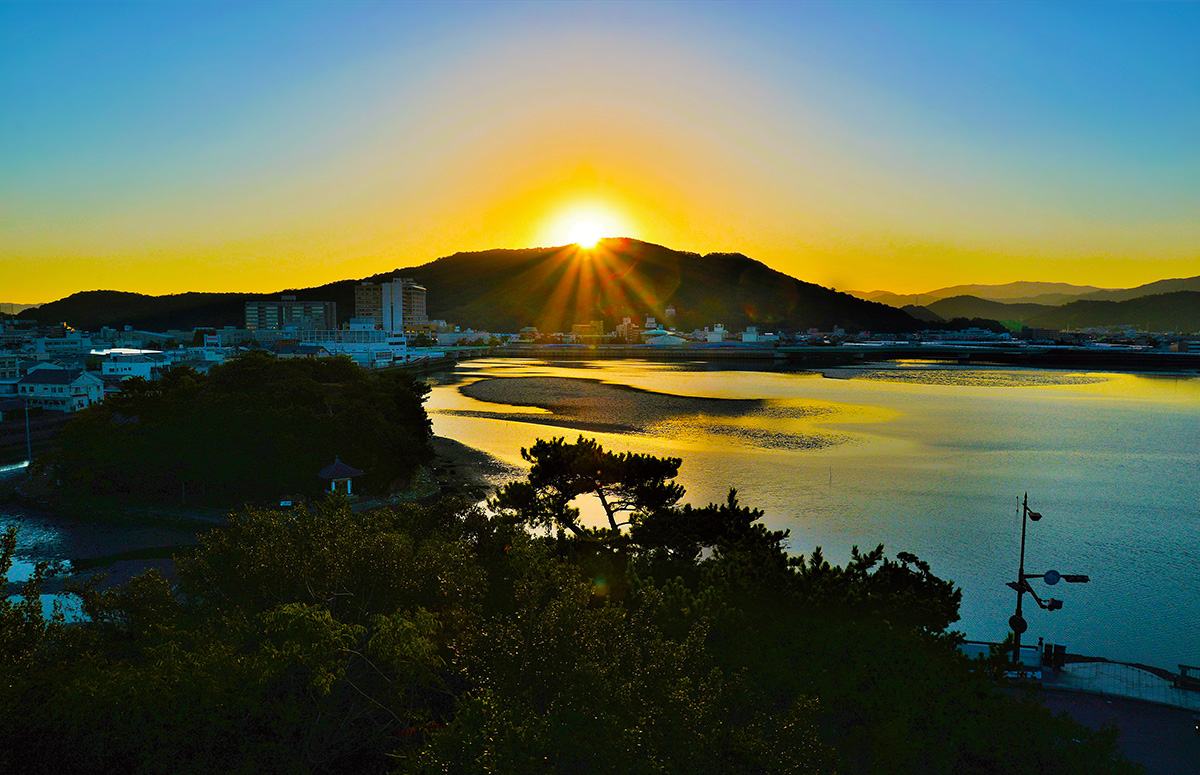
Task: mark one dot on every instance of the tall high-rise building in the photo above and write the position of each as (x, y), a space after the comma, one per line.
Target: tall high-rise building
(368, 302)
(287, 311)
(395, 306)
(415, 315)
(391, 307)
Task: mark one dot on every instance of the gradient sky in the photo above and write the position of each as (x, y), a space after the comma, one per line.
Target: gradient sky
(162, 147)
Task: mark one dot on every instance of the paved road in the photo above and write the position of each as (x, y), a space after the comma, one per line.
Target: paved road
(1160, 738)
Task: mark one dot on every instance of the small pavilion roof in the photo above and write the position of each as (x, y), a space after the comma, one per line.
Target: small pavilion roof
(339, 470)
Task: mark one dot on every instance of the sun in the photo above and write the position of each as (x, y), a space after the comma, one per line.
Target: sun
(585, 233)
(584, 225)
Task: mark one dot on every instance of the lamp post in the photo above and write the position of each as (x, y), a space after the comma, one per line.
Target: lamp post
(1021, 585)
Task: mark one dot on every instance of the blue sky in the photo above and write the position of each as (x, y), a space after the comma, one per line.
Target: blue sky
(962, 139)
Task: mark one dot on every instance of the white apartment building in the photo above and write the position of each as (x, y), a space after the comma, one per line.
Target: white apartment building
(127, 366)
(71, 343)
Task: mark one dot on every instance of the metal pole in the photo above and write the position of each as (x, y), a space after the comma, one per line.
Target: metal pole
(1020, 580)
(28, 440)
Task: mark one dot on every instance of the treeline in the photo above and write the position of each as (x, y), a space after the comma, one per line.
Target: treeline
(252, 430)
(516, 639)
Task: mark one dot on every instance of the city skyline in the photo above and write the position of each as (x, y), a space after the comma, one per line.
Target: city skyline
(163, 149)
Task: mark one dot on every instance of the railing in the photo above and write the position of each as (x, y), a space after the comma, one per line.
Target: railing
(1106, 677)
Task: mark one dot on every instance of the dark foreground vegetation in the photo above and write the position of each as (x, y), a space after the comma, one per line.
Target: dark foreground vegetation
(252, 430)
(513, 639)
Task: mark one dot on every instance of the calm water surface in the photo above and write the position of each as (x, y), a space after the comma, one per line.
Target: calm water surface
(920, 457)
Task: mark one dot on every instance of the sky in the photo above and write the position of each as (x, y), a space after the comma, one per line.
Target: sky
(164, 147)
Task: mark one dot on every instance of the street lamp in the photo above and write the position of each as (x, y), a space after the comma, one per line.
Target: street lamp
(1021, 585)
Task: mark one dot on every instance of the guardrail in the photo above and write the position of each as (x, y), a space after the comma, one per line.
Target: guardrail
(1105, 677)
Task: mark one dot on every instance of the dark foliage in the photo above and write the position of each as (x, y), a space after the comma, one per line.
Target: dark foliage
(255, 428)
(1178, 311)
(443, 639)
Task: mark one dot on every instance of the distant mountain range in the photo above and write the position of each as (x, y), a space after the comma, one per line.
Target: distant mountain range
(1045, 293)
(1050, 294)
(551, 288)
(1177, 311)
(9, 308)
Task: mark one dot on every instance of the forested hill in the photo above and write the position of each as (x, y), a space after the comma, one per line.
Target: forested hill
(551, 288)
(91, 310)
(1164, 312)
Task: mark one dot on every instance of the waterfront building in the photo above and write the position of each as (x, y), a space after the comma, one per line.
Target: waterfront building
(285, 350)
(365, 344)
(469, 338)
(272, 314)
(716, 334)
(629, 331)
(753, 336)
(588, 332)
(60, 390)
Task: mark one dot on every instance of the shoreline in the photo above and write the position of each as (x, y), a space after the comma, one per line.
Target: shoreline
(147, 537)
(819, 356)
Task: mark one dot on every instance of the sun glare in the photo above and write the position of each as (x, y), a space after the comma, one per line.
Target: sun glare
(585, 234)
(584, 226)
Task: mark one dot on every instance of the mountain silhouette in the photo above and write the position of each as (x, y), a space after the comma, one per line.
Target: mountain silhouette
(1178, 311)
(550, 288)
(1015, 292)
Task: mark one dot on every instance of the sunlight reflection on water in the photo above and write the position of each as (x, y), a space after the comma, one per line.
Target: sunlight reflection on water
(921, 457)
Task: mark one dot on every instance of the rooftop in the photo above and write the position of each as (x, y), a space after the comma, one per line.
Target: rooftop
(339, 470)
(51, 376)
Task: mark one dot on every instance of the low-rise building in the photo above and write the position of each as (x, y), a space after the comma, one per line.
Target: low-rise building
(753, 336)
(362, 342)
(588, 332)
(70, 343)
(60, 390)
(127, 366)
